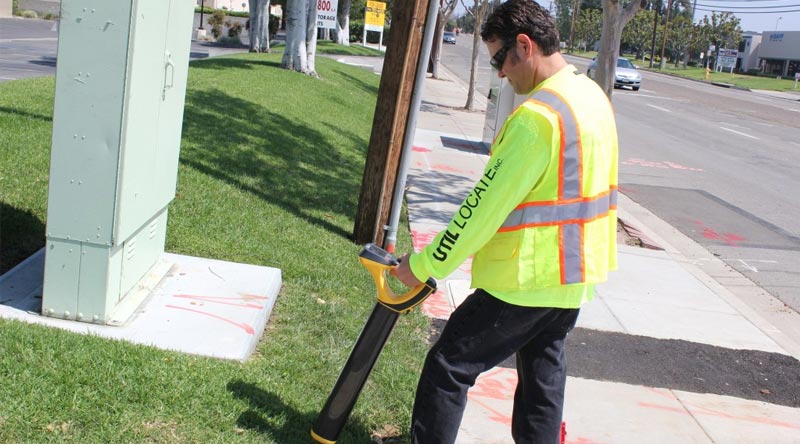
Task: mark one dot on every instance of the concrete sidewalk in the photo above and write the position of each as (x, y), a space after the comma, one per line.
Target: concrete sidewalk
(655, 294)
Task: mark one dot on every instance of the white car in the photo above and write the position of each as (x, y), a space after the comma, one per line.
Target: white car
(625, 74)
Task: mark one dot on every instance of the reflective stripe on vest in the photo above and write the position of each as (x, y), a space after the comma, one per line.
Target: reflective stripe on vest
(571, 210)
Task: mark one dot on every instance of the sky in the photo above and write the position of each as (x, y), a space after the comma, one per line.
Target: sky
(754, 15)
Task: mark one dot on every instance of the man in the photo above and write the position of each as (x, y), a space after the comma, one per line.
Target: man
(541, 223)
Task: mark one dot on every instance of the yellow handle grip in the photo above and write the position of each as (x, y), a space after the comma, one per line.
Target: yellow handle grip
(388, 298)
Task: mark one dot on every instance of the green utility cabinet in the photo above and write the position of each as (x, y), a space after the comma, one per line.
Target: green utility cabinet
(120, 91)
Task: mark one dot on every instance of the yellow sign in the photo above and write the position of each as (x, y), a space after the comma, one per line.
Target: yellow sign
(374, 16)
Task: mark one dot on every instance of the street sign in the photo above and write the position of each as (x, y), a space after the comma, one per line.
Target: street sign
(326, 13)
(374, 16)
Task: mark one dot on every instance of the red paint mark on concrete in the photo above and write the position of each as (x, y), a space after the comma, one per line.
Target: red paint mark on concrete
(466, 267)
(497, 383)
(447, 168)
(437, 306)
(246, 327)
(421, 239)
(496, 416)
(582, 440)
(420, 149)
(224, 300)
(694, 409)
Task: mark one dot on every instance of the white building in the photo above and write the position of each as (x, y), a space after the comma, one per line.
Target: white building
(779, 53)
(748, 52)
(771, 52)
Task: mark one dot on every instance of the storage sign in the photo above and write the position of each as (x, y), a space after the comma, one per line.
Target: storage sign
(374, 16)
(727, 58)
(326, 13)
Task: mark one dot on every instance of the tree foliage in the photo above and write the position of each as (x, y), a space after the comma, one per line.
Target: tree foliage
(638, 33)
(587, 28)
(721, 30)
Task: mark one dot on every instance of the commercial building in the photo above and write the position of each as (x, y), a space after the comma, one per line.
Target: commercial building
(771, 52)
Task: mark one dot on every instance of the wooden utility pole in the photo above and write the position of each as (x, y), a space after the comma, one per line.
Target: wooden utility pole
(389, 123)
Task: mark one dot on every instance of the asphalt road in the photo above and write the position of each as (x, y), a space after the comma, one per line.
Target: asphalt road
(28, 48)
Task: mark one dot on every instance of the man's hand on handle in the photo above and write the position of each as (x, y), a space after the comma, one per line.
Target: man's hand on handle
(404, 274)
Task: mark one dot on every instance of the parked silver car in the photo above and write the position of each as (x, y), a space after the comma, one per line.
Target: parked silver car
(449, 37)
(625, 74)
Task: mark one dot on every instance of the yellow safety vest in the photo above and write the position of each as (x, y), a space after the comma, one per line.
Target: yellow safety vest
(564, 232)
(544, 212)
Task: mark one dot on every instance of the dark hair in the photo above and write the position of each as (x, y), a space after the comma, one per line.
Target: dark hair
(527, 17)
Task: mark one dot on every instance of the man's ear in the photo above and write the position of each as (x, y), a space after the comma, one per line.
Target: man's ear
(527, 46)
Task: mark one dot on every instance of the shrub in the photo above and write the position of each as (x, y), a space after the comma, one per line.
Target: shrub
(230, 41)
(216, 21)
(234, 29)
(30, 14)
(274, 24)
(14, 7)
(357, 33)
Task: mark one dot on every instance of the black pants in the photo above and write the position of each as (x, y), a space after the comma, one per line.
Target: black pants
(481, 333)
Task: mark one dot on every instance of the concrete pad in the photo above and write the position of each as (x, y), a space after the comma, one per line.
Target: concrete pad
(652, 295)
(459, 289)
(704, 327)
(597, 315)
(487, 418)
(202, 306)
(737, 421)
(655, 276)
(614, 413)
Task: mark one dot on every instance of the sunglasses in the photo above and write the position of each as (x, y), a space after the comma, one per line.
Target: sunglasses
(499, 57)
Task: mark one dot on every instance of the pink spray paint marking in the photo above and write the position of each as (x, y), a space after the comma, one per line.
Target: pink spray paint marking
(437, 306)
(498, 383)
(225, 300)
(421, 239)
(420, 149)
(446, 168)
(700, 410)
(246, 327)
(729, 238)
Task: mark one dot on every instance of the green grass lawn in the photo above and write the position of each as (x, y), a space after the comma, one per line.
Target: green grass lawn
(737, 79)
(270, 172)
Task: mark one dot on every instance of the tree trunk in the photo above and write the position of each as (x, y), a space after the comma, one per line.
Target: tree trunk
(259, 26)
(295, 55)
(614, 19)
(311, 36)
(480, 11)
(343, 23)
(436, 48)
(476, 40)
